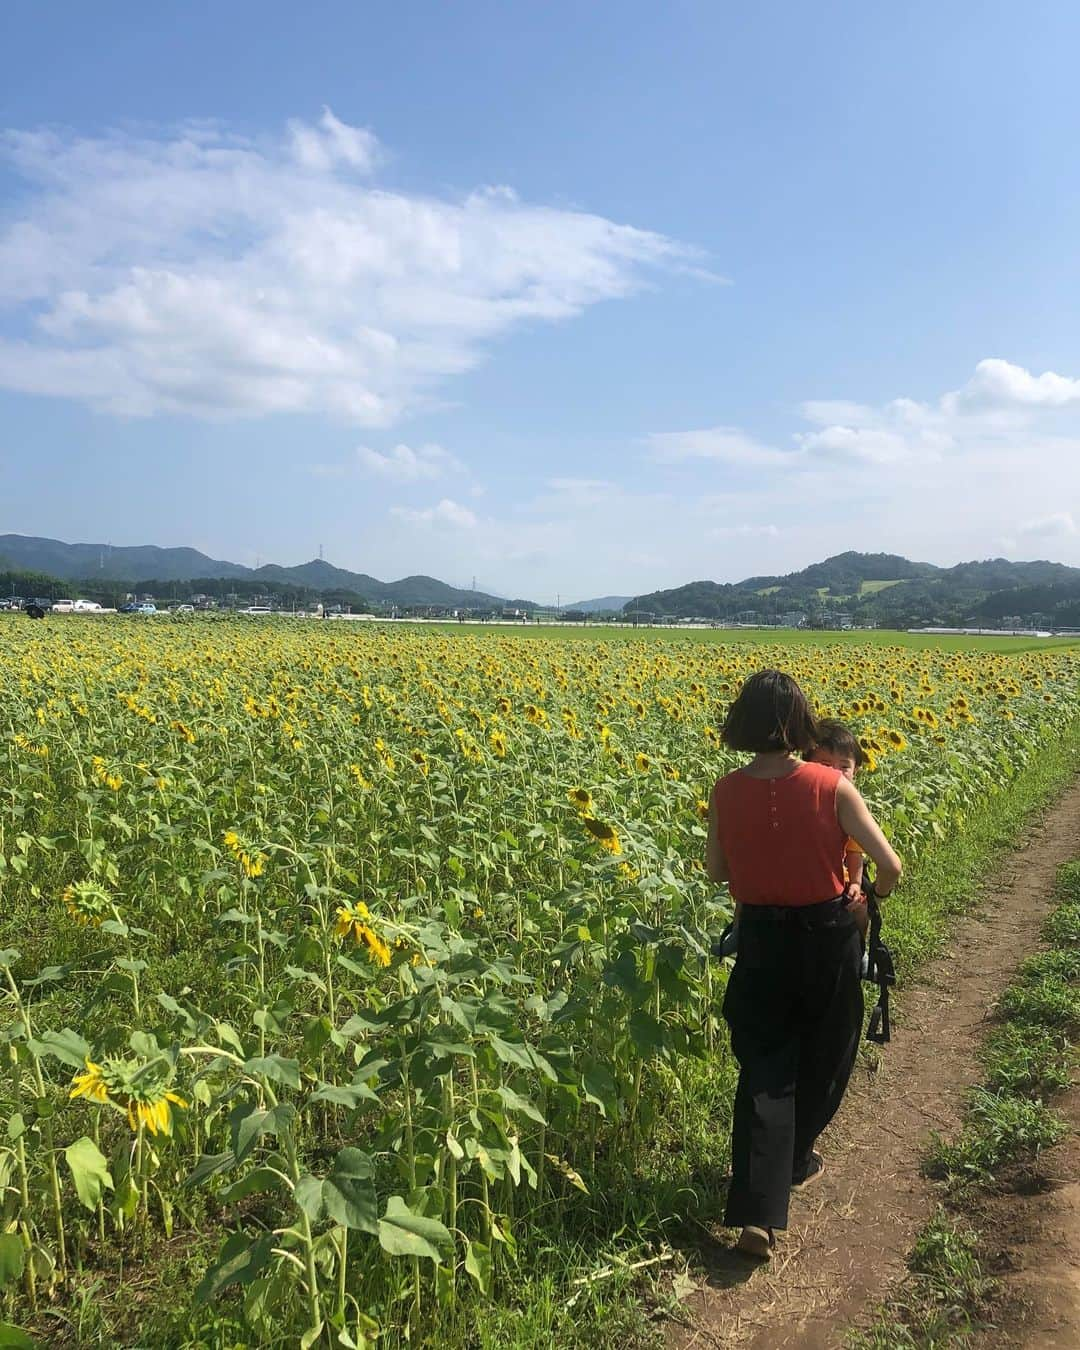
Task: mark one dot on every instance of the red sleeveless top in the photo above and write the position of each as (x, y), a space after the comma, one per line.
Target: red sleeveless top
(780, 836)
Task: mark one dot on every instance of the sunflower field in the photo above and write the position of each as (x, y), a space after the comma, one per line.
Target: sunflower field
(344, 961)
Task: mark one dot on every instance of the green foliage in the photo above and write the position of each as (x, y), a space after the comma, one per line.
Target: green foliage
(1031, 1060)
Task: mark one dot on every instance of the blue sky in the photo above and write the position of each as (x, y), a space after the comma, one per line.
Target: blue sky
(573, 299)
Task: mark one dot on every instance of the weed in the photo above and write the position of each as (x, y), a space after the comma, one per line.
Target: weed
(1034, 1061)
(1048, 1001)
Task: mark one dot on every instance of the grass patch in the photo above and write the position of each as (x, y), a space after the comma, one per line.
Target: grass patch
(1045, 1001)
(874, 638)
(1002, 1127)
(1029, 1060)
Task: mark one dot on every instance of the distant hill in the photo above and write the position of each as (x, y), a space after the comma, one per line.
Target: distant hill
(147, 562)
(844, 573)
(607, 604)
(885, 589)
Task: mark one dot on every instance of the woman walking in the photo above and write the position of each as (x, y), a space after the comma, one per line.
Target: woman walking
(777, 832)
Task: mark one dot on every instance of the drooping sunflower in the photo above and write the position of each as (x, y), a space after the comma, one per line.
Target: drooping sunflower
(897, 740)
(642, 762)
(87, 903)
(139, 1088)
(606, 835)
(351, 918)
(581, 798)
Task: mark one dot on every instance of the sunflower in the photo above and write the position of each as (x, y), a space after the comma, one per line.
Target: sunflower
(377, 950)
(352, 921)
(606, 835)
(351, 918)
(581, 798)
(90, 1084)
(140, 1088)
(498, 744)
(156, 1115)
(87, 903)
(897, 740)
(642, 763)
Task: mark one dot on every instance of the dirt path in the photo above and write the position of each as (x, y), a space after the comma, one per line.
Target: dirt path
(850, 1233)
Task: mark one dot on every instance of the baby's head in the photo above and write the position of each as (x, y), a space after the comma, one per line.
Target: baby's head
(836, 747)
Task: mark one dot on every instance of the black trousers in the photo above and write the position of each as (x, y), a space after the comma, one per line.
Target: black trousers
(794, 1005)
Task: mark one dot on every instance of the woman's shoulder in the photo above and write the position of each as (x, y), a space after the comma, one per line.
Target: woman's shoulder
(729, 782)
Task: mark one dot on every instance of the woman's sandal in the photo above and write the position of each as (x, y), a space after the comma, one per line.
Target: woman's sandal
(756, 1242)
(814, 1173)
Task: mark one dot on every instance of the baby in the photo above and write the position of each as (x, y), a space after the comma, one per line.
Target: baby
(838, 748)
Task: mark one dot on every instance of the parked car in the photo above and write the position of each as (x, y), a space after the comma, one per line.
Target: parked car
(130, 608)
(87, 606)
(38, 602)
(146, 608)
(185, 609)
(63, 606)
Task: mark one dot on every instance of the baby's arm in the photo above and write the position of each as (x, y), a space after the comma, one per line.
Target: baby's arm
(853, 866)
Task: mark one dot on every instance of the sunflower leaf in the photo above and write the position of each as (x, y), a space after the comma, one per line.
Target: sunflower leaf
(89, 1171)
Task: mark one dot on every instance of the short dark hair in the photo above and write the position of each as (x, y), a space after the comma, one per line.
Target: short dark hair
(838, 739)
(770, 713)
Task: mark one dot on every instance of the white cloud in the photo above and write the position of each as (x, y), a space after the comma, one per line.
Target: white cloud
(1058, 523)
(981, 466)
(728, 445)
(331, 143)
(446, 512)
(202, 273)
(402, 464)
(997, 382)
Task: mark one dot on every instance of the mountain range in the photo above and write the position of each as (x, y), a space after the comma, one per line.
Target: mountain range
(886, 589)
(148, 563)
(881, 588)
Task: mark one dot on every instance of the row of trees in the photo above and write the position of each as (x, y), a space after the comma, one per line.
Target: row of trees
(222, 590)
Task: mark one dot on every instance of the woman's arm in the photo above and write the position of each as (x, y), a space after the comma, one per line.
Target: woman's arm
(715, 863)
(855, 819)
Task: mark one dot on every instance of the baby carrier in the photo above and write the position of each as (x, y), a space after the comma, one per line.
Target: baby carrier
(877, 965)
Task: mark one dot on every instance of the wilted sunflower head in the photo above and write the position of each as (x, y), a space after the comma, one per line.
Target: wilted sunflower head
(87, 903)
(580, 797)
(606, 835)
(141, 1088)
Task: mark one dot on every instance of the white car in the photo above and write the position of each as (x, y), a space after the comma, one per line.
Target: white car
(86, 607)
(63, 606)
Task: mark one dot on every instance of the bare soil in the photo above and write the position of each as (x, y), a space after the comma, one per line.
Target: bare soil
(850, 1232)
